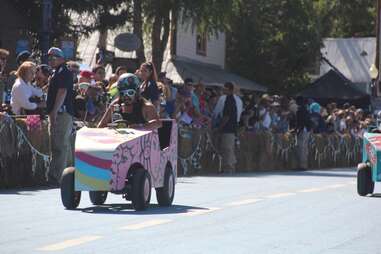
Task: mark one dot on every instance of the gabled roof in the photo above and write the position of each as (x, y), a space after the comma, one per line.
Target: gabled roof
(351, 56)
(210, 75)
(333, 85)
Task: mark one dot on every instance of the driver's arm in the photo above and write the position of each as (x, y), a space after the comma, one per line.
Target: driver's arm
(106, 119)
(151, 116)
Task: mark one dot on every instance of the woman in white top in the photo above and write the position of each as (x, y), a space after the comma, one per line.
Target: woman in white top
(23, 89)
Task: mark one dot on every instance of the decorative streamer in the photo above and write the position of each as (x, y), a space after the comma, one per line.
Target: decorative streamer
(23, 139)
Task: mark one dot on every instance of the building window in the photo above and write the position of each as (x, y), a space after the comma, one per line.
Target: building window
(201, 40)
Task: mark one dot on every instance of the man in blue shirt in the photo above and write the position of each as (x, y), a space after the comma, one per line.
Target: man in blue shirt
(60, 110)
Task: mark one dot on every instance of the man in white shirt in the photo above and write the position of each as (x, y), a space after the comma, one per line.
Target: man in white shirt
(218, 110)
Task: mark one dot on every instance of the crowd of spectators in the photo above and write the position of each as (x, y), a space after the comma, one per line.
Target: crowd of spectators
(24, 90)
(279, 114)
(225, 110)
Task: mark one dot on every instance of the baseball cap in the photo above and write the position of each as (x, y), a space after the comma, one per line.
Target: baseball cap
(57, 52)
(23, 56)
(315, 107)
(86, 74)
(188, 81)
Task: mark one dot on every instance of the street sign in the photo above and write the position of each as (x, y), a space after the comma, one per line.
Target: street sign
(127, 42)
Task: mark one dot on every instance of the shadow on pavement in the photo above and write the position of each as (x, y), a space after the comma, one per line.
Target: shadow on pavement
(127, 209)
(347, 173)
(27, 191)
(377, 195)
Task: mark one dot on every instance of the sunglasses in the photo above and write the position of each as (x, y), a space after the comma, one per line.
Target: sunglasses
(52, 58)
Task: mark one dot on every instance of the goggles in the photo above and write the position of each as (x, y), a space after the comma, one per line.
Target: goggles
(129, 93)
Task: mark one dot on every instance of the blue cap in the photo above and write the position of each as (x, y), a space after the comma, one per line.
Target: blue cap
(315, 108)
(56, 52)
(23, 56)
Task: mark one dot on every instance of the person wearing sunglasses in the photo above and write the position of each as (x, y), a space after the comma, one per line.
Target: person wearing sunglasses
(60, 110)
(136, 111)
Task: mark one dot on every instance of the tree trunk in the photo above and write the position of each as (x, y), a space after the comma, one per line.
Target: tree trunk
(160, 37)
(138, 30)
(166, 27)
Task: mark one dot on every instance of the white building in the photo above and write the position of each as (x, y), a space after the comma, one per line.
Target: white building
(202, 58)
(188, 55)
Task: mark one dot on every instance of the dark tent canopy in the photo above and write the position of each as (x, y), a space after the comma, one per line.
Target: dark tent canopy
(334, 87)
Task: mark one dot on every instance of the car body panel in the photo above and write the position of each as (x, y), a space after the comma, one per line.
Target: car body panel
(372, 154)
(104, 156)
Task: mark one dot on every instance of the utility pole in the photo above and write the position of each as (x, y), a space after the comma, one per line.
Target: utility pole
(47, 6)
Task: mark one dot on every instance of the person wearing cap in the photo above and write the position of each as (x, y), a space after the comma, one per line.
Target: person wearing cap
(317, 122)
(60, 111)
(88, 105)
(136, 111)
(86, 76)
(23, 56)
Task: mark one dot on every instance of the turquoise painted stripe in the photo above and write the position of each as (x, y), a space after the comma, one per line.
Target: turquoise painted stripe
(92, 171)
(81, 187)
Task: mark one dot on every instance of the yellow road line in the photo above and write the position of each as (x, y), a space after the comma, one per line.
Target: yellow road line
(311, 190)
(70, 243)
(245, 202)
(145, 224)
(335, 186)
(281, 195)
(195, 212)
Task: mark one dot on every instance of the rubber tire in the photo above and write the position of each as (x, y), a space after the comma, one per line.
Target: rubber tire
(137, 196)
(365, 184)
(164, 198)
(98, 197)
(69, 197)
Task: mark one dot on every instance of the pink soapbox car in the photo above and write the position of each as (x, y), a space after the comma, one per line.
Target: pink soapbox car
(123, 161)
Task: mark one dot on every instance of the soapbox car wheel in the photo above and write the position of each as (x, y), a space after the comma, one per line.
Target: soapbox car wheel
(365, 185)
(141, 189)
(166, 193)
(70, 198)
(98, 197)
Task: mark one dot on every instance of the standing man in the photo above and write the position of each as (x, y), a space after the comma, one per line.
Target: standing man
(230, 116)
(303, 132)
(60, 111)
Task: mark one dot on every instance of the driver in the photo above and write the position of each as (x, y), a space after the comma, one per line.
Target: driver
(136, 111)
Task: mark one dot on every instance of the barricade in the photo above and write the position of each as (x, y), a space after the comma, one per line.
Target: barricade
(268, 151)
(24, 152)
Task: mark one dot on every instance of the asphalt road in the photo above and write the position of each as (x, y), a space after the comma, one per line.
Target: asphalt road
(277, 212)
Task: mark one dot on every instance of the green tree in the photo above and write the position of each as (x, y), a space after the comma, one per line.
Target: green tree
(343, 18)
(106, 14)
(273, 42)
